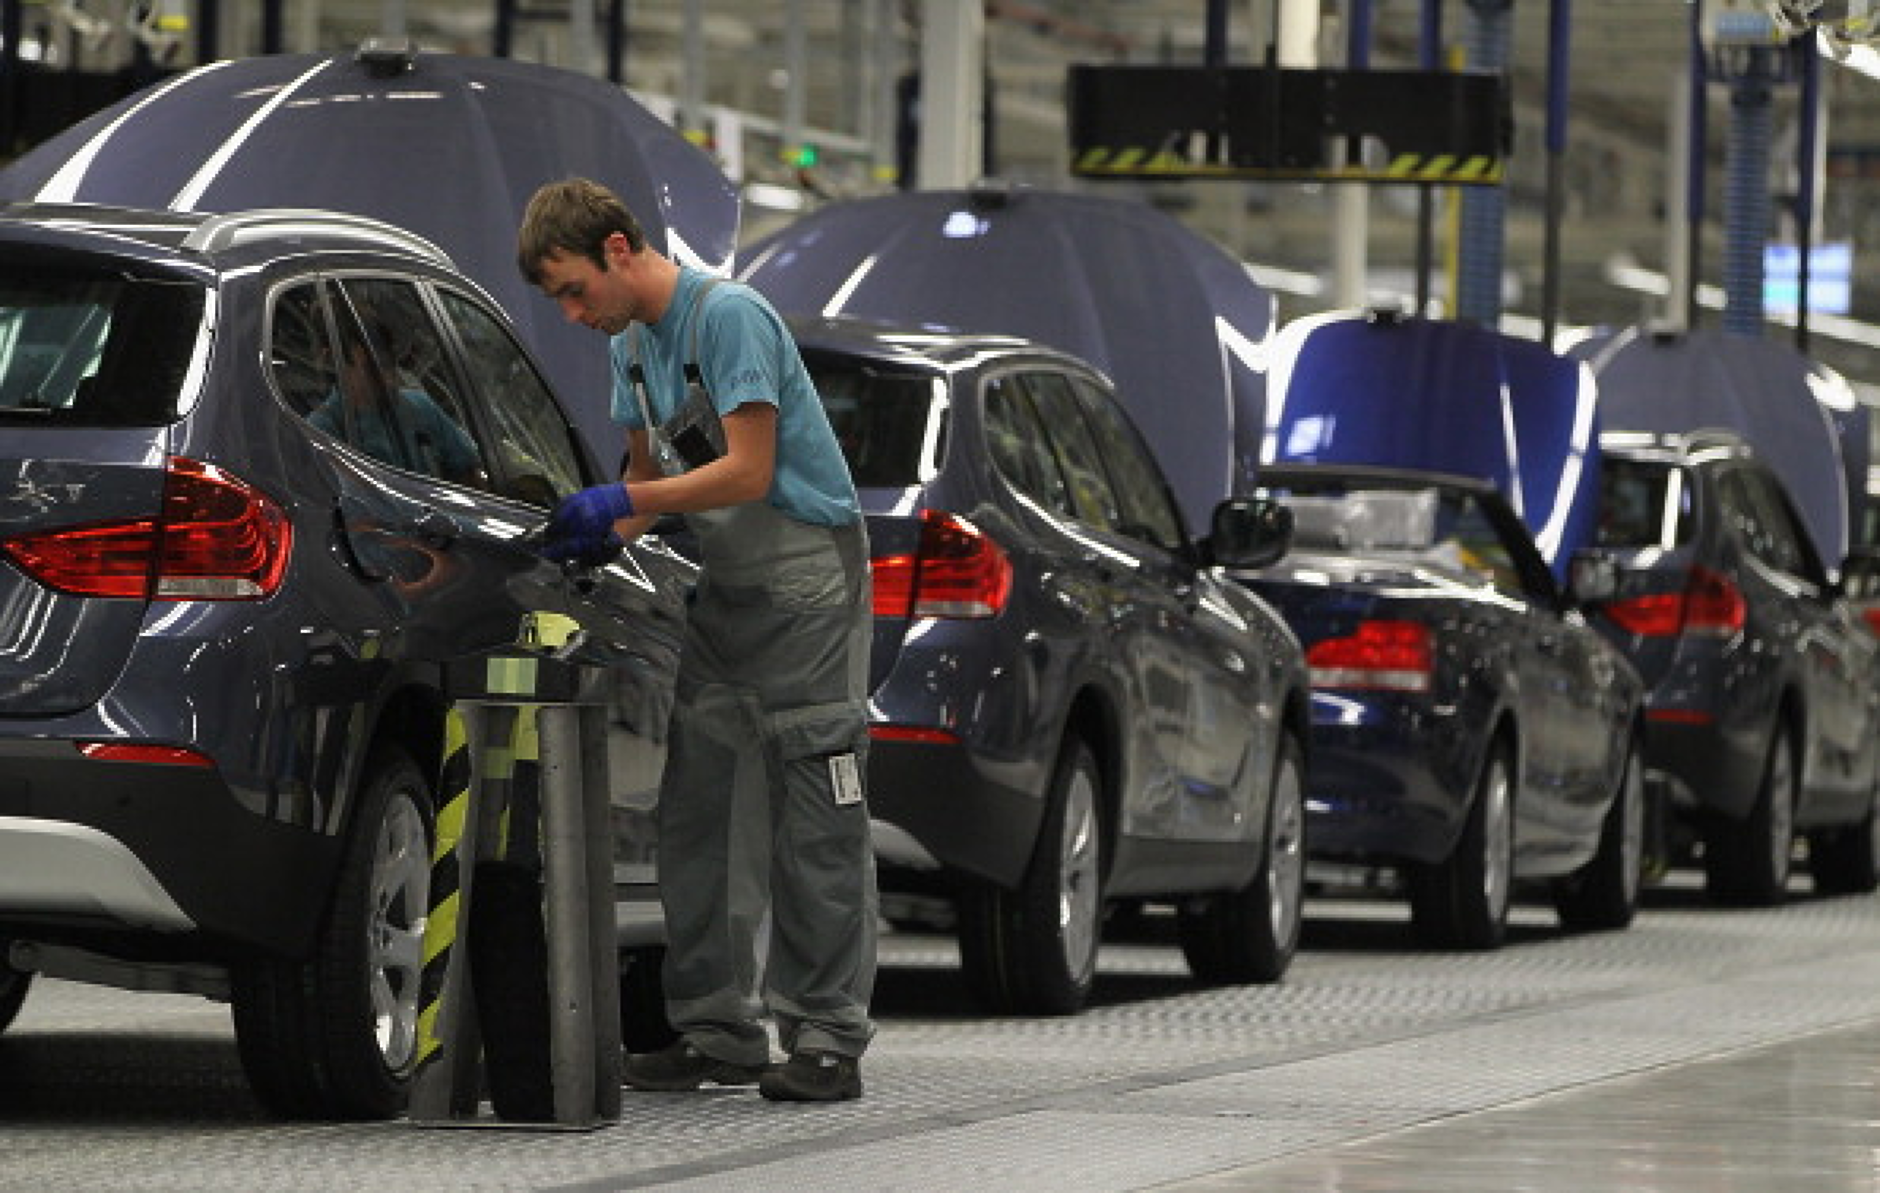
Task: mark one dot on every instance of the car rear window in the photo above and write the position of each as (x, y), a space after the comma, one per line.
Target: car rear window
(886, 422)
(94, 349)
(1643, 504)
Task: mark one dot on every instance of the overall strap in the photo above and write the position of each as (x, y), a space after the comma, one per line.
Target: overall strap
(637, 375)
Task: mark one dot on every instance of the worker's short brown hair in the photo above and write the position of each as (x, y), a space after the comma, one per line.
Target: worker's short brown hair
(574, 216)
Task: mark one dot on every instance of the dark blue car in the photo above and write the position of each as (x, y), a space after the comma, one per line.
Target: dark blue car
(264, 477)
(1072, 707)
(1762, 724)
(1469, 728)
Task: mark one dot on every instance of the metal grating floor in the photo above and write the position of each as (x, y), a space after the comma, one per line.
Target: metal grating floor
(1159, 1083)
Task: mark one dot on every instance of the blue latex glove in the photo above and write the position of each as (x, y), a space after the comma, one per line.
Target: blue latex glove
(590, 514)
(585, 551)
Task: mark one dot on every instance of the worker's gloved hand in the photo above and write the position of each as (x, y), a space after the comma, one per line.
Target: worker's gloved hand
(590, 514)
(585, 551)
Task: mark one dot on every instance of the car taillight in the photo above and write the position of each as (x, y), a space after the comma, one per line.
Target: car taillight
(1709, 604)
(218, 539)
(1393, 655)
(1872, 618)
(957, 571)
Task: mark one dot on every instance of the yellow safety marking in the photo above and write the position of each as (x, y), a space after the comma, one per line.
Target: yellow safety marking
(511, 677)
(545, 630)
(436, 944)
(440, 923)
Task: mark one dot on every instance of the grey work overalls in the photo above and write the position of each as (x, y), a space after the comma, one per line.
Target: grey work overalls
(761, 802)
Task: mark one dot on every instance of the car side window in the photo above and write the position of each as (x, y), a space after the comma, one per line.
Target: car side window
(301, 354)
(1758, 522)
(537, 457)
(1092, 498)
(1784, 542)
(1019, 448)
(412, 367)
(1148, 510)
(334, 357)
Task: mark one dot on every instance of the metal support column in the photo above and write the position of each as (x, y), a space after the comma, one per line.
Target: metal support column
(520, 990)
(1484, 208)
(1746, 200)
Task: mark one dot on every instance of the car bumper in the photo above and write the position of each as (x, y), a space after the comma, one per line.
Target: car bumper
(91, 848)
(1389, 781)
(936, 799)
(1704, 768)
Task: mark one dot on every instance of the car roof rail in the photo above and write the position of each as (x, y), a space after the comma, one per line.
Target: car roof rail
(1701, 438)
(228, 229)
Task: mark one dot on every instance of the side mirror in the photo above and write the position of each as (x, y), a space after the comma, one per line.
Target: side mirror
(1592, 576)
(1250, 533)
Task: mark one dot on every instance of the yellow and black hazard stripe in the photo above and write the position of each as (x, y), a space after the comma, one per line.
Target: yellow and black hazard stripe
(442, 923)
(1443, 167)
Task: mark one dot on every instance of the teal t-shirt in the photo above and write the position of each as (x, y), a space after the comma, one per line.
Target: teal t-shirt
(745, 354)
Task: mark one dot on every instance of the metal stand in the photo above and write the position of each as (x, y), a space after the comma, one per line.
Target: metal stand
(521, 984)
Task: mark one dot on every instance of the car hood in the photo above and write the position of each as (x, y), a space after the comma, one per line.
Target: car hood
(1799, 416)
(1351, 388)
(1180, 327)
(448, 146)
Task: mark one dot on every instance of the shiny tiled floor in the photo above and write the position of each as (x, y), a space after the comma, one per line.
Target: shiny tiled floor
(1797, 1117)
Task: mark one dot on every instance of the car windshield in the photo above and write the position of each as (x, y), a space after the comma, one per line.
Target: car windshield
(1642, 504)
(1442, 529)
(94, 348)
(884, 421)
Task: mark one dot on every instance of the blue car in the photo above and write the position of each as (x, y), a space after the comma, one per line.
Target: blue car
(264, 477)
(1762, 724)
(1470, 729)
(1072, 707)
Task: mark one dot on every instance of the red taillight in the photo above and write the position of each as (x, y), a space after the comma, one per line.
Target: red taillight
(1710, 604)
(958, 571)
(1872, 618)
(1394, 655)
(218, 539)
(105, 751)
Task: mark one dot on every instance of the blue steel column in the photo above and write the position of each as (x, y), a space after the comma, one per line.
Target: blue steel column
(1429, 57)
(1746, 199)
(1478, 282)
(1808, 61)
(1559, 58)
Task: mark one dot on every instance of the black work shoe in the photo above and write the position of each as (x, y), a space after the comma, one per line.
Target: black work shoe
(813, 1077)
(679, 1067)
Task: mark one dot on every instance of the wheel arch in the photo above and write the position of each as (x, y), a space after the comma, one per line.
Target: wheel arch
(414, 719)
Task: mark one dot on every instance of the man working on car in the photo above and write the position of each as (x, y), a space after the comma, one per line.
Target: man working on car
(761, 801)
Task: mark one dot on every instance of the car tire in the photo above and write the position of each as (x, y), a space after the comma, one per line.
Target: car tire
(1462, 902)
(1603, 894)
(13, 986)
(1033, 951)
(1846, 860)
(1250, 935)
(335, 1036)
(1747, 863)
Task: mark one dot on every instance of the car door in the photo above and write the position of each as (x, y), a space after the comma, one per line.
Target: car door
(415, 514)
(1228, 727)
(1832, 657)
(1133, 639)
(1571, 707)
